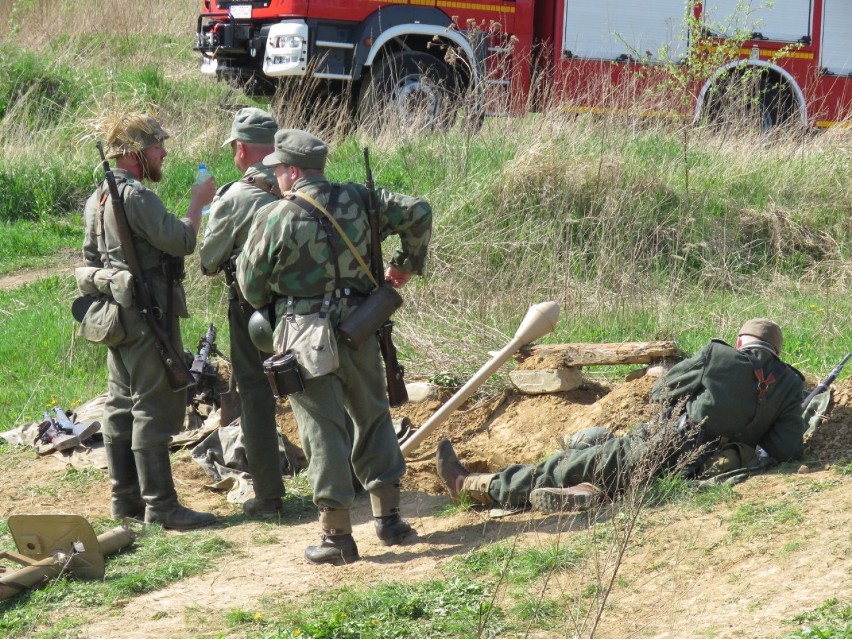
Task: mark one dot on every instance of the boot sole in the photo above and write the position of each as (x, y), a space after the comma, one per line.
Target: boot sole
(337, 561)
(553, 500)
(397, 539)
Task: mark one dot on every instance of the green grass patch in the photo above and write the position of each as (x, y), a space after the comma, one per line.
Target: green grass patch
(522, 566)
(152, 562)
(831, 620)
(450, 608)
(758, 520)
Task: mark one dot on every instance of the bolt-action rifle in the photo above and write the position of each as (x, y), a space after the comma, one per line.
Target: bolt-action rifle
(177, 373)
(394, 371)
(824, 384)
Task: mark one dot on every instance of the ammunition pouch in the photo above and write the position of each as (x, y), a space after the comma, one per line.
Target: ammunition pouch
(369, 316)
(283, 374)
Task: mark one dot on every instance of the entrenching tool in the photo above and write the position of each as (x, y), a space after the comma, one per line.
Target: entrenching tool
(50, 545)
(540, 320)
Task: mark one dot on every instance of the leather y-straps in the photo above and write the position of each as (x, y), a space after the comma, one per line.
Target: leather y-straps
(764, 381)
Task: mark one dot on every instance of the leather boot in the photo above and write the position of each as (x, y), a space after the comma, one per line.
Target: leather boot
(458, 479)
(263, 508)
(390, 527)
(574, 498)
(337, 546)
(158, 491)
(126, 497)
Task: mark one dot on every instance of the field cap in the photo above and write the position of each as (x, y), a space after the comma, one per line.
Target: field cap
(252, 125)
(765, 330)
(297, 148)
(134, 132)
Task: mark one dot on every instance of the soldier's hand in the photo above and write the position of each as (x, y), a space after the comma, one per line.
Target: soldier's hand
(396, 277)
(203, 193)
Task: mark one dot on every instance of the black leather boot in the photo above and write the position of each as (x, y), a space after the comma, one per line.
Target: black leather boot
(270, 509)
(337, 546)
(391, 529)
(158, 491)
(333, 549)
(126, 497)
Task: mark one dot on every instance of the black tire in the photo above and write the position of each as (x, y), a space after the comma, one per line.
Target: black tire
(413, 87)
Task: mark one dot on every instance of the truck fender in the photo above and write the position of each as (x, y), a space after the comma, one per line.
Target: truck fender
(392, 22)
(797, 91)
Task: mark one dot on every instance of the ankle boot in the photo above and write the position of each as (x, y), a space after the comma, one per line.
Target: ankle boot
(475, 486)
(337, 546)
(158, 491)
(263, 508)
(450, 470)
(390, 527)
(126, 497)
(336, 550)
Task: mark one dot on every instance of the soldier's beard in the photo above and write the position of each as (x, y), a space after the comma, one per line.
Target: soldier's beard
(150, 172)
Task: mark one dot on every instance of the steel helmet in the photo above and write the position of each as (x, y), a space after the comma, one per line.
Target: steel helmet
(260, 330)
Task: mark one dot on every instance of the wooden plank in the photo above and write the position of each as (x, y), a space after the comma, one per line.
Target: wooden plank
(572, 355)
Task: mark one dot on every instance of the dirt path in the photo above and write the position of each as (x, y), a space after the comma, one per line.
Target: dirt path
(686, 573)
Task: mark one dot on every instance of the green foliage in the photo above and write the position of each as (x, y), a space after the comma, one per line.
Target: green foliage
(451, 608)
(831, 620)
(843, 469)
(522, 566)
(759, 520)
(152, 562)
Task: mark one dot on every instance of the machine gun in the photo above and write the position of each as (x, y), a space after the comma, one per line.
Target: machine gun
(205, 372)
(59, 432)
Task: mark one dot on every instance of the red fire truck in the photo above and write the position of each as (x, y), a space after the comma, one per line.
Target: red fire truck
(519, 55)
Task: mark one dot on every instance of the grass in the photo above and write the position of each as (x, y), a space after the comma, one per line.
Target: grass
(831, 620)
(752, 521)
(152, 562)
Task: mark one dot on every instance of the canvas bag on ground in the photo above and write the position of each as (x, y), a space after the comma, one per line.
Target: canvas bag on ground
(310, 338)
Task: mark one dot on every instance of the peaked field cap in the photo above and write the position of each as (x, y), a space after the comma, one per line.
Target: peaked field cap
(764, 329)
(252, 125)
(297, 148)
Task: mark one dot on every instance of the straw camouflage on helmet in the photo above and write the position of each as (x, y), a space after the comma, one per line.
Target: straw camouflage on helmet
(131, 133)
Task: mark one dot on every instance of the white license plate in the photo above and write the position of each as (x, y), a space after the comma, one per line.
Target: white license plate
(240, 11)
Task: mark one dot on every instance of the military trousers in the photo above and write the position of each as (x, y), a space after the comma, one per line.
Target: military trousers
(257, 409)
(141, 408)
(331, 443)
(609, 466)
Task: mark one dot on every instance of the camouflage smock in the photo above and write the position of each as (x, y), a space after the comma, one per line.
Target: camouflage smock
(289, 251)
(232, 213)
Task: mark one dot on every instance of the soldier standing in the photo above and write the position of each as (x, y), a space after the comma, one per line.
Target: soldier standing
(738, 399)
(296, 259)
(141, 411)
(231, 216)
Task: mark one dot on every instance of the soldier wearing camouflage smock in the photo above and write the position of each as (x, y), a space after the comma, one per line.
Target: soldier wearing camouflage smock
(231, 216)
(142, 412)
(741, 399)
(296, 260)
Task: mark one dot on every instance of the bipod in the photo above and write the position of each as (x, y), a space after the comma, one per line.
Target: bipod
(51, 545)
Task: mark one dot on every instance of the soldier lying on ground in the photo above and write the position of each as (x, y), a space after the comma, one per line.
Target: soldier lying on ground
(737, 403)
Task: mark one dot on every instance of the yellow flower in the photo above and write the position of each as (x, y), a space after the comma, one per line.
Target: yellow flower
(297, 632)
(257, 616)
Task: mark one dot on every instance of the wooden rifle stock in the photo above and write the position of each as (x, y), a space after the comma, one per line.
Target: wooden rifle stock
(394, 371)
(177, 372)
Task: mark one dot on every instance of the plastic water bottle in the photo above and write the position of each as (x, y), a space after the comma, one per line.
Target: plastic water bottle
(202, 176)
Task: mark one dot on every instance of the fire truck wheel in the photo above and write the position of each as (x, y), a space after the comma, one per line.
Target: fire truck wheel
(411, 87)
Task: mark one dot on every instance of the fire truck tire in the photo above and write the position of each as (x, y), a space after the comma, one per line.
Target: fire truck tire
(416, 85)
